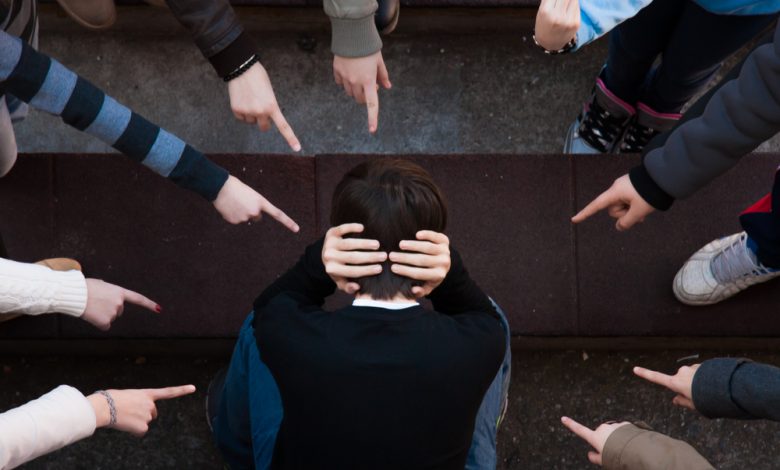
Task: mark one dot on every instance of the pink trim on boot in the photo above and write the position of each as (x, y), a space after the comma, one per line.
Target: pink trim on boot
(613, 97)
(647, 109)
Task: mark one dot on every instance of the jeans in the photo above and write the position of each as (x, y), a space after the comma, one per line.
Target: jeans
(691, 42)
(250, 409)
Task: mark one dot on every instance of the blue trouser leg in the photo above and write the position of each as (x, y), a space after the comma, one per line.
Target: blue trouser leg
(250, 408)
(482, 454)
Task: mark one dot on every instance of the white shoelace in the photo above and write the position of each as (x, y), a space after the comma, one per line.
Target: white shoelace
(736, 261)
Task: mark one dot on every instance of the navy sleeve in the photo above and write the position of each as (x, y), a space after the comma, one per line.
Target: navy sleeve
(737, 388)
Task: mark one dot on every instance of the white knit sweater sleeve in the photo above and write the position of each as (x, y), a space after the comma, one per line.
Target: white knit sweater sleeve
(55, 420)
(33, 290)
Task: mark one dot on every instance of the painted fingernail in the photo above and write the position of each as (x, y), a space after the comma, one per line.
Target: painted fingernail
(158, 309)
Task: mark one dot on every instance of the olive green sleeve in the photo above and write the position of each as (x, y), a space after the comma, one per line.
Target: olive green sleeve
(631, 447)
(354, 32)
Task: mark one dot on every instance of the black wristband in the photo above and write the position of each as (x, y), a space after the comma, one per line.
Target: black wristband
(568, 47)
(649, 189)
(242, 68)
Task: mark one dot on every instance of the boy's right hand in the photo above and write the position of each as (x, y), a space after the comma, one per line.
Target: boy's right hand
(238, 203)
(346, 259)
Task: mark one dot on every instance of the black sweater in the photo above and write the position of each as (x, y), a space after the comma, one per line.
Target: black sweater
(371, 388)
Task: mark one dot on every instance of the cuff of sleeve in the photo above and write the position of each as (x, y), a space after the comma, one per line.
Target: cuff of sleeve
(71, 297)
(230, 58)
(649, 189)
(711, 388)
(85, 421)
(354, 37)
(197, 173)
(616, 443)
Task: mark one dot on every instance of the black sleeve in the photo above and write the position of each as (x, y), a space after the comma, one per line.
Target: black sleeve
(641, 179)
(217, 32)
(458, 293)
(307, 280)
(737, 388)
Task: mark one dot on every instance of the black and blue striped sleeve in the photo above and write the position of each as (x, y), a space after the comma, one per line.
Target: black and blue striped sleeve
(49, 86)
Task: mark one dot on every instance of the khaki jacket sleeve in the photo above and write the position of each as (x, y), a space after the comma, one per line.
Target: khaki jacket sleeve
(631, 447)
(354, 32)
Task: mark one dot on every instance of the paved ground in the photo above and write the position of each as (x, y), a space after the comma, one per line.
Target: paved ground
(590, 386)
(481, 87)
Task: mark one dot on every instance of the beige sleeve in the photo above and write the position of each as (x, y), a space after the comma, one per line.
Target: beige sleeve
(354, 32)
(630, 447)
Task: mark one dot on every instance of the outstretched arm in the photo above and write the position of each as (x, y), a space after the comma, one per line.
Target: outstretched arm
(64, 416)
(49, 86)
(223, 41)
(358, 65)
(626, 446)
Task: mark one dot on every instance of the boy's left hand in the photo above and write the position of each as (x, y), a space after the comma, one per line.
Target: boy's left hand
(426, 259)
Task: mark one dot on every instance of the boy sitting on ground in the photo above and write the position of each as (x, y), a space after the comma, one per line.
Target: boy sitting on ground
(385, 382)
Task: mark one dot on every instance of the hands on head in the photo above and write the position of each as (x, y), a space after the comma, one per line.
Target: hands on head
(681, 384)
(135, 409)
(359, 76)
(557, 22)
(622, 202)
(426, 259)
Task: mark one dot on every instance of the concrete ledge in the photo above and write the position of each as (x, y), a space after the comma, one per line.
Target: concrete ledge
(510, 219)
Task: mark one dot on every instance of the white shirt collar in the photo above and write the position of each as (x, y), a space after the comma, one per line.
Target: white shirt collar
(383, 304)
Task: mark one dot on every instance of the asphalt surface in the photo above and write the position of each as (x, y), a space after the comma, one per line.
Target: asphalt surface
(592, 387)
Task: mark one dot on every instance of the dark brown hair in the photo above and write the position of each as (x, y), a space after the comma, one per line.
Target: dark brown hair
(393, 199)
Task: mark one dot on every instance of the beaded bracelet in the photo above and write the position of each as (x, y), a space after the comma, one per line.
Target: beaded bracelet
(242, 68)
(111, 406)
(568, 47)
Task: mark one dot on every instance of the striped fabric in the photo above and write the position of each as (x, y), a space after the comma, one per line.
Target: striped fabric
(47, 85)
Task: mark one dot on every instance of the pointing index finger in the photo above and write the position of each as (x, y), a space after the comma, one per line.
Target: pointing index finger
(654, 377)
(170, 392)
(372, 104)
(583, 432)
(598, 204)
(286, 130)
(280, 216)
(138, 299)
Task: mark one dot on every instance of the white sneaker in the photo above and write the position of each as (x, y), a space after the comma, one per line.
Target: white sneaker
(721, 269)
